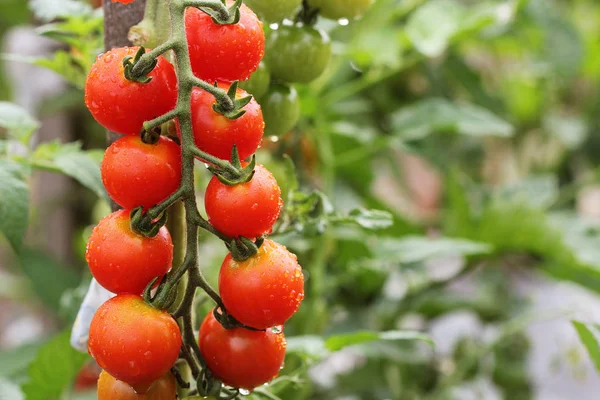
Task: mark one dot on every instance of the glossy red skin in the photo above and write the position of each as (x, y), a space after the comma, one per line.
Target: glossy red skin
(224, 52)
(110, 388)
(134, 342)
(123, 1)
(248, 209)
(266, 289)
(240, 357)
(123, 261)
(216, 134)
(139, 174)
(121, 105)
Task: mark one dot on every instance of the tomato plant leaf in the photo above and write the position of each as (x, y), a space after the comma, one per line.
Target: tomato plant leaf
(411, 249)
(49, 279)
(14, 202)
(435, 115)
(53, 369)
(69, 159)
(588, 334)
(372, 219)
(338, 342)
(316, 347)
(17, 121)
(14, 362)
(431, 27)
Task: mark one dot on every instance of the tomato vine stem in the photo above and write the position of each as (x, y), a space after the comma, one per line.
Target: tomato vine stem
(228, 106)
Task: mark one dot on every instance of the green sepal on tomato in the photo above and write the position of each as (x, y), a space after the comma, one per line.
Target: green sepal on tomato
(281, 109)
(274, 10)
(121, 105)
(247, 209)
(240, 357)
(133, 341)
(224, 52)
(297, 54)
(137, 174)
(338, 9)
(123, 261)
(216, 134)
(266, 289)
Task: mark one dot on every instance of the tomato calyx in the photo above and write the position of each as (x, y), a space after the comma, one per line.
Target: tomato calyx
(237, 110)
(224, 15)
(307, 14)
(228, 322)
(137, 71)
(143, 224)
(238, 173)
(243, 248)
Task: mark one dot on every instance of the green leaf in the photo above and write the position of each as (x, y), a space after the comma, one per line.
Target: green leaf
(439, 115)
(17, 121)
(70, 160)
(48, 10)
(431, 27)
(338, 342)
(411, 249)
(9, 390)
(14, 202)
(372, 219)
(536, 191)
(311, 345)
(588, 334)
(54, 369)
(318, 348)
(49, 279)
(14, 362)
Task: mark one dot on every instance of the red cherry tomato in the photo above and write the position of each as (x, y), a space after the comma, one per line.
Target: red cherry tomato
(134, 342)
(110, 388)
(240, 357)
(123, 261)
(266, 289)
(121, 105)
(248, 209)
(87, 377)
(139, 174)
(224, 52)
(216, 134)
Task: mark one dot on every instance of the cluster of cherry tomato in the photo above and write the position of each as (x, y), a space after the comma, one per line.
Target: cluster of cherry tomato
(135, 343)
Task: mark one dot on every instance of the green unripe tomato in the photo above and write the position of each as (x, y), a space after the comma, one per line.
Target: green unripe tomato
(281, 109)
(259, 81)
(297, 53)
(274, 10)
(338, 9)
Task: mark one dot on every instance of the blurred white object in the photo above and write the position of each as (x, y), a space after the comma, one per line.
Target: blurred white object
(94, 298)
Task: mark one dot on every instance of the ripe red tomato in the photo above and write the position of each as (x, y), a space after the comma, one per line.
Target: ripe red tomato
(110, 388)
(216, 134)
(134, 342)
(123, 261)
(123, 1)
(266, 289)
(240, 357)
(248, 209)
(224, 52)
(139, 174)
(121, 105)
